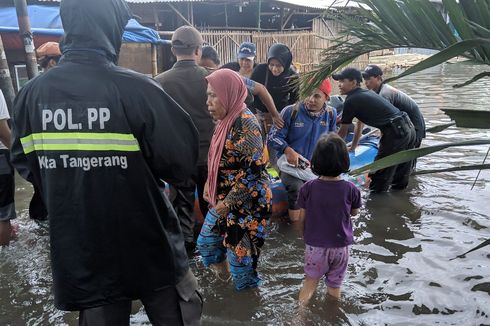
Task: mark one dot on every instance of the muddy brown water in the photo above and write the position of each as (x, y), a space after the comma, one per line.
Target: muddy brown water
(400, 272)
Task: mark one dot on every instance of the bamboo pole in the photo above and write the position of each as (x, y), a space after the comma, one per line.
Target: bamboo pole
(154, 60)
(258, 15)
(5, 79)
(27, 40)
(178, 14)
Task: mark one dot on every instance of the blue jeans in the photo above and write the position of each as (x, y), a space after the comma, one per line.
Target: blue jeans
(210, 245)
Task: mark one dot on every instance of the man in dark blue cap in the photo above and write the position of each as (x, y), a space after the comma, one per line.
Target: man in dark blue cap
(398, 132)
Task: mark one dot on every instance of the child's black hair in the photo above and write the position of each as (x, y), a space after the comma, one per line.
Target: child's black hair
(330, 157)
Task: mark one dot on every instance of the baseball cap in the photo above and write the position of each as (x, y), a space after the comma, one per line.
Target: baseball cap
(186, 37)
(48, 49)
(349, 73)
(372, 71)
(247, 50)
(326, 87)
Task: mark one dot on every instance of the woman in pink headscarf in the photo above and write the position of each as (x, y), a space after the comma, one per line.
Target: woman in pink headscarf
(238, 185)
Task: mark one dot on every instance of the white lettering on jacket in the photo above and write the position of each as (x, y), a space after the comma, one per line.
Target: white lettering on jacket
(63, 119)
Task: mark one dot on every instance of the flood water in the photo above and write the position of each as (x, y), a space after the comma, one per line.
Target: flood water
(400, 271)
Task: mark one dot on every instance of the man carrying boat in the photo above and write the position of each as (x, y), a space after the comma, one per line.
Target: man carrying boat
(398, 132)
(304, 123)
(96, 138)
(373, 79)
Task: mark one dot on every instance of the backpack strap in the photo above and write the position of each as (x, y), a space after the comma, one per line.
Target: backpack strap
(295, 112)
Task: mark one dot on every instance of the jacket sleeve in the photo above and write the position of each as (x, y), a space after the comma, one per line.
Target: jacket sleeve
(20, 129)
(277, 137)
(167, 136)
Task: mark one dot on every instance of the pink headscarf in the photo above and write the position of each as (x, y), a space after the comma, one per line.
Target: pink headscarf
(231, 91)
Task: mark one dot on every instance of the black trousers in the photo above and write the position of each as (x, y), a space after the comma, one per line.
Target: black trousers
(7, 187)
(292, 185)
(171, 306)
(182, 196)
(395, 176)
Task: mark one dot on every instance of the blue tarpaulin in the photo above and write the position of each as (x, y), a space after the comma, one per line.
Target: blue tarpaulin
(46, 20)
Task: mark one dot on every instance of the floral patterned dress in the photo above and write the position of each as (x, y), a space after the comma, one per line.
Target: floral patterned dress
(243, 186)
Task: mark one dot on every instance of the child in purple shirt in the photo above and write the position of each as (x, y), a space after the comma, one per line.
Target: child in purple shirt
(326, 204)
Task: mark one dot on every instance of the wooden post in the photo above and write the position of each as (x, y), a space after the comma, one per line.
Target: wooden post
(5, 79)
(154, 60)
(27, 40)
(192, 13)
(287, 19)
(156, 18)
(226, 15)
(179, 14)
(282, 18)
(259, 15)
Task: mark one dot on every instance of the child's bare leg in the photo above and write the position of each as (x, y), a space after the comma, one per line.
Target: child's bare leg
(293, 215)
(306, 292)
(5, 233)
(333, 293)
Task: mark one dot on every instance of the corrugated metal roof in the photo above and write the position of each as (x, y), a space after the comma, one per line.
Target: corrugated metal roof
(140, 1)
(319, 4)
(322, 4)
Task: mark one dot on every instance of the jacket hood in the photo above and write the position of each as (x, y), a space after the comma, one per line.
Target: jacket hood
(281, 53)
(94, 25)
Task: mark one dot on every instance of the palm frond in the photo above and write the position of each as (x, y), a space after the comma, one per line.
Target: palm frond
(474, 167)
(439, 128)
(474, 79)
(409, 23)
(411, 154)
(481, 245)
(452, 51)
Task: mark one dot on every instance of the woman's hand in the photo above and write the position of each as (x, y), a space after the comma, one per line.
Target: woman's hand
(221, 208)
(205, 193)
(278, 121)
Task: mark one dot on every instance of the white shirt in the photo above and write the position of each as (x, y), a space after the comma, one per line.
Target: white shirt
(4, 114)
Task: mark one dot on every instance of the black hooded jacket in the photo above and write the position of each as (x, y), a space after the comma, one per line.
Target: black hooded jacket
(96, 138)
(280, 87)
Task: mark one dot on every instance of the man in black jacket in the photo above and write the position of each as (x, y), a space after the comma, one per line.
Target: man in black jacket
(187, 85)
(96, 138)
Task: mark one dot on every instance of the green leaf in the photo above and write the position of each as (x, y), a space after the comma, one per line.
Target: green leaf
(411, 154)
(409, 23)
(444, 55)
(440, 128)
(474, 79)
(469, 118)
(481, 245)
(475, 167)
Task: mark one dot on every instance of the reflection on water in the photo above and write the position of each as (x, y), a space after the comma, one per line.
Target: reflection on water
(400, 270)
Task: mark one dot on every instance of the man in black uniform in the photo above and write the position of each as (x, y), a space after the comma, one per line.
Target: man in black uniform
(398, 133)
(95, 138)
(373, 79)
